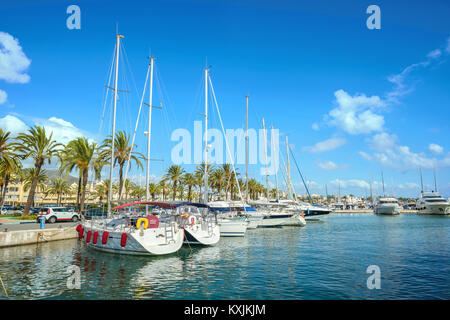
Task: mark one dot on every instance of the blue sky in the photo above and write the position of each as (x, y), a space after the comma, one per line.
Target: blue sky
(353, 101)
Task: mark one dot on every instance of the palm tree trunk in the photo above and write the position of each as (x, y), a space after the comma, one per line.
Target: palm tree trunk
(30, 198)
(174, 190)
(5, 186)
(78, 192)
(83, 194)
(120, 180)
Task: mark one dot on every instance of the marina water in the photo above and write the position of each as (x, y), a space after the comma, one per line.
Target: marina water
(327, 259)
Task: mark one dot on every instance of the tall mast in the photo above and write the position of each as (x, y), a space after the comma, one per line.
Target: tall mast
(288, 172)
(110, 195)
(265, 155)
(275, 164)
(421, 180)
(206, 137)
(435, 182)
(149, 133)
(246, 149)
(382, 179)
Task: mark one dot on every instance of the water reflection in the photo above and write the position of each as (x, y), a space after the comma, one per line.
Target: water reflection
(326, 260)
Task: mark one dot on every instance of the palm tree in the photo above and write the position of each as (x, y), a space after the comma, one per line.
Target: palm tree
(174, 174)
(79, 153)
(59, 186)
(189, 180)
(153, 189)
(128, 185)
(163, 187)
(32, 177)
(101, 190)
(200, 174)
(35, 144)
(122, 151)
(10, 168)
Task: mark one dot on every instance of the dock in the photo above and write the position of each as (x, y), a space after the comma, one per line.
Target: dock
(23, 234)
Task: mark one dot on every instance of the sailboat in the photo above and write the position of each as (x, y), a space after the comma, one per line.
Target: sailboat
(128, 228)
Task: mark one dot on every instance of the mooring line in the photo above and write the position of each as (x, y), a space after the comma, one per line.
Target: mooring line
(3, 285)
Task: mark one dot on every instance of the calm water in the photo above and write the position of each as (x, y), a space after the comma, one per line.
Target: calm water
(324, 260)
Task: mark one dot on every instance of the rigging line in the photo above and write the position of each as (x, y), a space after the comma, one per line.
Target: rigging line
(106, 94)
(306, 187)
(226, 142)
(137, 123)
(169, 103)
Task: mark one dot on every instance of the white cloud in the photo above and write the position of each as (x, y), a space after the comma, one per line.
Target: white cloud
(315, 126)
(13, 124)
(329, 165)
(435, 54)
(352, 183)
(326, 145)
(447, 48)
(3, 96)
(13, 61)
(365, 155)
(356, 114)
(63, 131)
(382, 141)
(435, 148)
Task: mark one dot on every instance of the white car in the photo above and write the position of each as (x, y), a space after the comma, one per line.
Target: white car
(58, 214)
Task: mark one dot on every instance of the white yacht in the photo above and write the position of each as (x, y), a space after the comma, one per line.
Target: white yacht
(133, 233)
(230, 223)
(387, 205)
(277, 214)
(432, 203)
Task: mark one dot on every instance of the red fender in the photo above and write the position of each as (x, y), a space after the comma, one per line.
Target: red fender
(105, 237)
(80, 231)
(123, 240)
(94, 239)
(88, 236)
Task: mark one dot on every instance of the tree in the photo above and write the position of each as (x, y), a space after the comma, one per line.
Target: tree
(10, 165)
(30, 176)
(190, 181)
(59, 186)
(41, 148)
(122, 151)
(153, 190)
(174, 174)
(79, 153)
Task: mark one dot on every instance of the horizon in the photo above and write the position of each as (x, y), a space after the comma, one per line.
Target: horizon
(353, 101)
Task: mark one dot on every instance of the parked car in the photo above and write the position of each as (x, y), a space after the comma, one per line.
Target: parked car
(58, 214)
(94, 212)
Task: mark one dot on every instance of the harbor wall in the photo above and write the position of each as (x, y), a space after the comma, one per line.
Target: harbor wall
(22, 237)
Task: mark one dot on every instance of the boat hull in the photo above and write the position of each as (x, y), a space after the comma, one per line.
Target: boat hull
(231, 228)
(148, 243)
(436, 209)
(197, 235)
(295, 221)
(276, 220)
(387, 210)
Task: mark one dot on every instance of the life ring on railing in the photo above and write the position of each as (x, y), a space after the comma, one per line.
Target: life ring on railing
(140, 220)
(192, 220)
(185, 215)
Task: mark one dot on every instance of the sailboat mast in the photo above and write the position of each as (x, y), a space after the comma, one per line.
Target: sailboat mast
(288, 172)
(435, 182)
(149, 133)
(110, 195)
(421, 180)
(206, 137)
(246, 150)
(265, 155)
(275, 164)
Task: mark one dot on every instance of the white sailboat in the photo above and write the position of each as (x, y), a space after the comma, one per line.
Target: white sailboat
(139, 233)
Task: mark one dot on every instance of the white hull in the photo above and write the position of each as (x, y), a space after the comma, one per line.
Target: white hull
(274, 220)
(198, 235)
(296, 220)
(230, 228)
(437, 209)
(151, 242)
(387, 210)
(253, 222)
